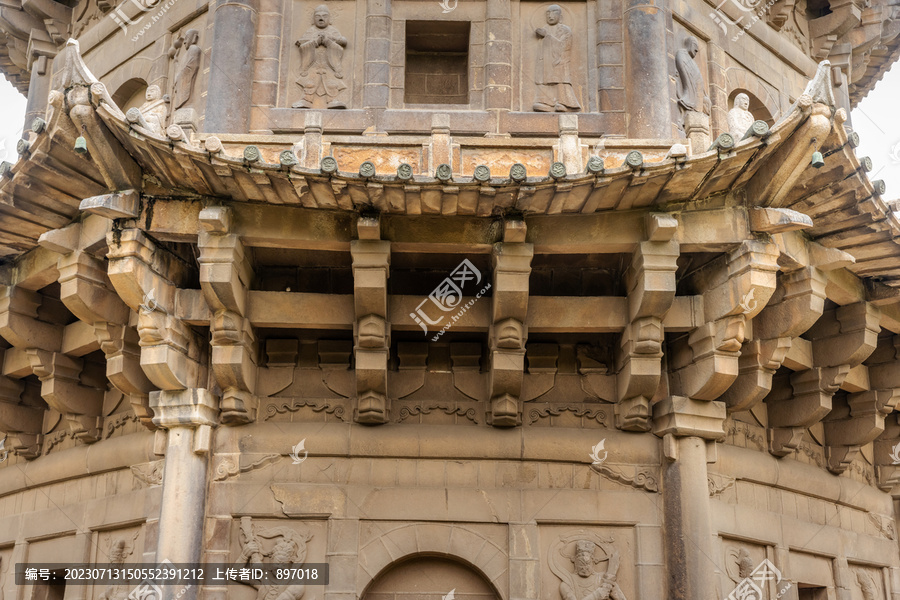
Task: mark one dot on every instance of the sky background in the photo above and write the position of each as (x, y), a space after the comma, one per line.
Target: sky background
(875, 119)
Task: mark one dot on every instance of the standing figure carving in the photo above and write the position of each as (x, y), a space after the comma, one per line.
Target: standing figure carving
(690, 87)
(321, 55)
(583, 582)
(691, 93)
(154, 109)
(554, 74)
(187, 68)
(119, 550)
(739, 117)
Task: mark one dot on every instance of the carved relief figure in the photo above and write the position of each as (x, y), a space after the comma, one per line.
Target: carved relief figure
(739, 117)
(321, 55)
(154, 109)
(289, 548)
(188, 67)
(583, 582)
(690, 88)
(118, 551)
(554, 77)
(867, 585)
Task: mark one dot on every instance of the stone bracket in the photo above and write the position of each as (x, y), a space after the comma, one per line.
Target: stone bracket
(169, 351)
(682, 417)
(371, 331)
(651, 292)
(508, 333)
(62, 390)
(225, 276)
(846, 335)
(807, 399)
(792, 310)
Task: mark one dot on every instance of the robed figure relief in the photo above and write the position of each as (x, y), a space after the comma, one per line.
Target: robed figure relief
(554, 73)
(690, 89)
(187, 67)
(321, 56)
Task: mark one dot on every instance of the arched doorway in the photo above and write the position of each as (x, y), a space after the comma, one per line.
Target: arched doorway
(430, 578)
(130, 94)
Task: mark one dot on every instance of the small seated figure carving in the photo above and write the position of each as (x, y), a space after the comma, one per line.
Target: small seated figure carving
(154, 109)
(739, 117)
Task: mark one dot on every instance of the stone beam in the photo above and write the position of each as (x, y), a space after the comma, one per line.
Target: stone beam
(796, 305)
(508, 332)
(651, 290)
(371, 329)
(225, 276)
(273, 226)
(170, 352)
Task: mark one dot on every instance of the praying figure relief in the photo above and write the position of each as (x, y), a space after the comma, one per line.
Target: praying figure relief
(154, 109)
(321, 56)
(188, 66)
(582, 582)
(739, 117)
(554, 75)
(282, 546)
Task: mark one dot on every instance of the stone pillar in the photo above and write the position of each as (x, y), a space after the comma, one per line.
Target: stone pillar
(231, 67)
(687, 426)
(498, 56)
(189, 415)
(377, 71)
(647, 106)
(38, 90)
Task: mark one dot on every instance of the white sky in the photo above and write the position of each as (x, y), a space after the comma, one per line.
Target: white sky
(875, 119)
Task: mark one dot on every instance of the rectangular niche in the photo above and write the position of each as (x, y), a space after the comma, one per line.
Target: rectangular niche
(437, 62)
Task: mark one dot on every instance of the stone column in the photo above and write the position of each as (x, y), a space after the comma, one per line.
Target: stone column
(646, 71)
(498, 56)
(377, 85)
(189, 416)
(231, 66)
(686, 426)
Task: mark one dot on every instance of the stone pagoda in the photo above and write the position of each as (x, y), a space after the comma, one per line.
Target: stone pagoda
(466, 300)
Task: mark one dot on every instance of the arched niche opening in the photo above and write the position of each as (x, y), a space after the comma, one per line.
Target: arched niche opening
(757, 108)
(426, 577)
(130, 94)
